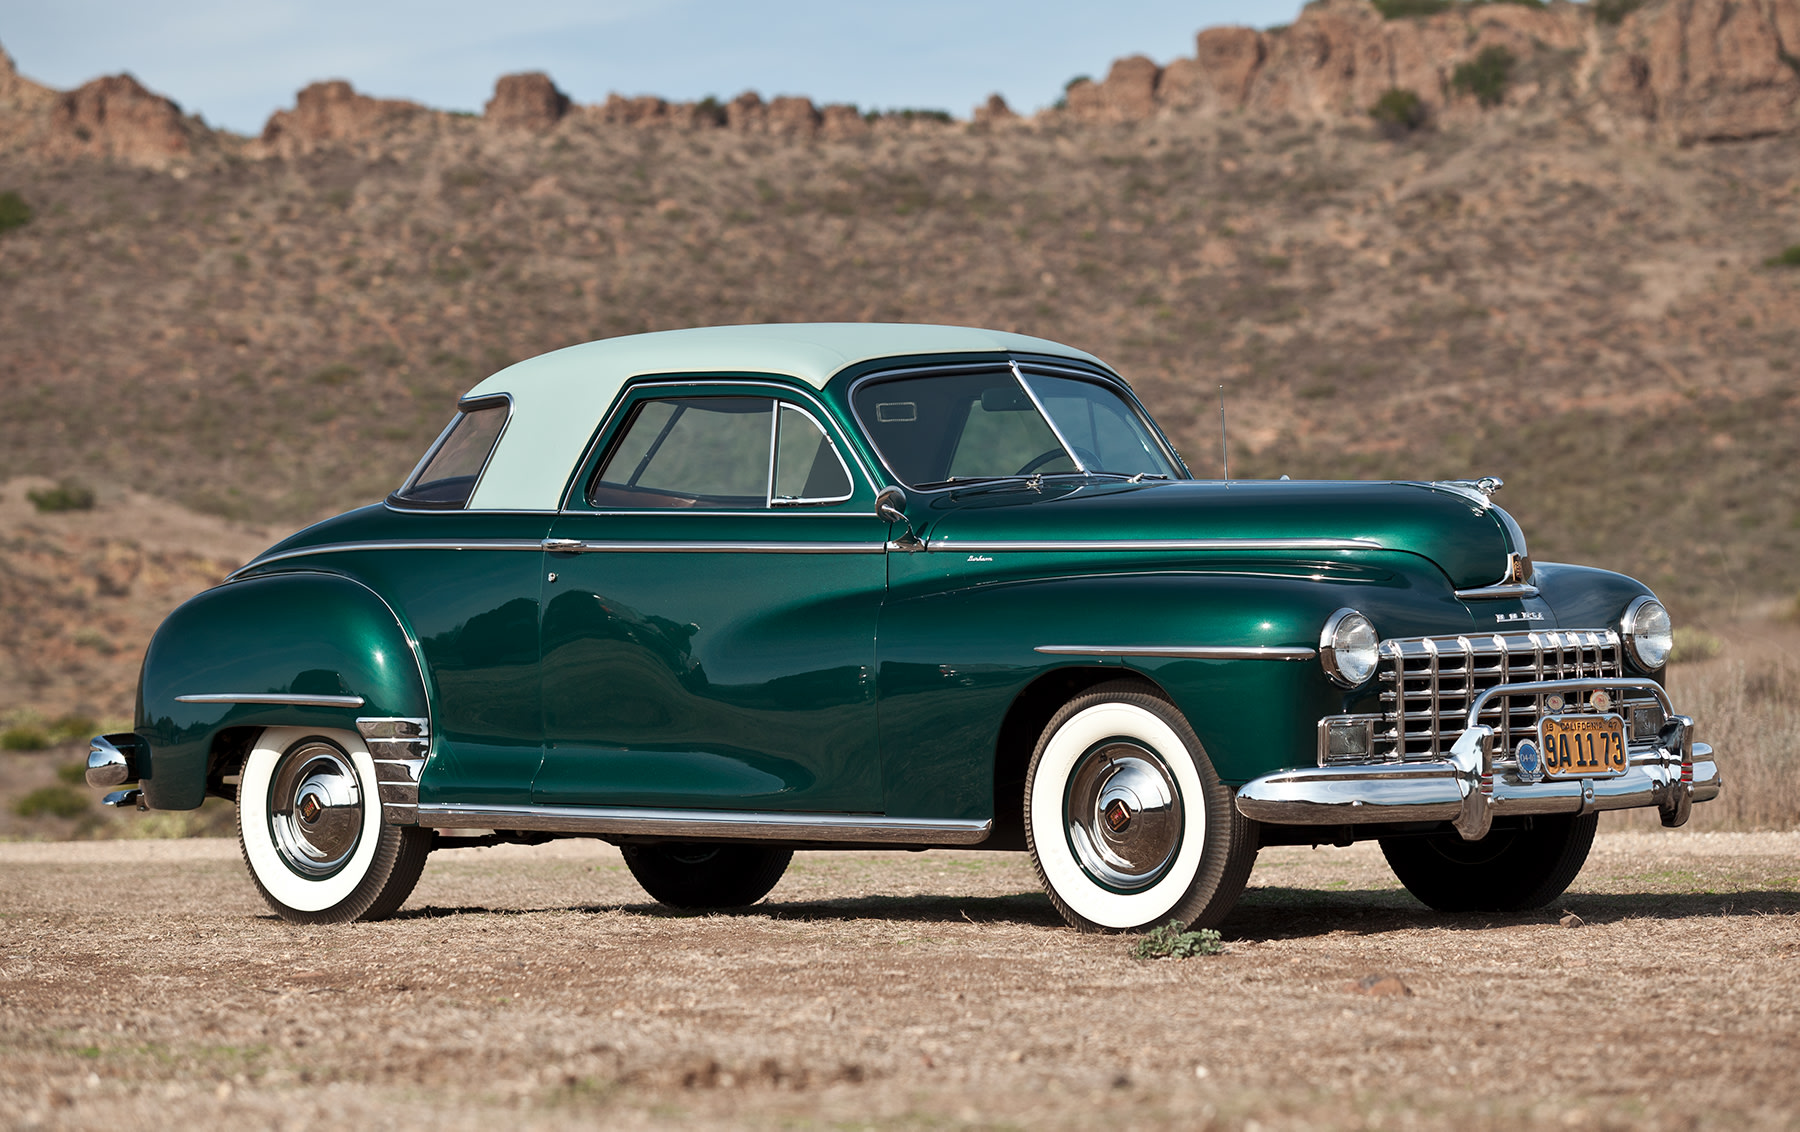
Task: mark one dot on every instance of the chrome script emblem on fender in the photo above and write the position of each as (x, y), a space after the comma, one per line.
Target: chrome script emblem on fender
(1522, 615)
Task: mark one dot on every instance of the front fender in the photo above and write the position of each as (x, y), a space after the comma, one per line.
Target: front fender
(299, 633)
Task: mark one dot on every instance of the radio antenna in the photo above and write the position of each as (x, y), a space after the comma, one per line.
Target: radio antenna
(1224, 448)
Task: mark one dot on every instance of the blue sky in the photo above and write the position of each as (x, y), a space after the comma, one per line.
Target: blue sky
(236, 61)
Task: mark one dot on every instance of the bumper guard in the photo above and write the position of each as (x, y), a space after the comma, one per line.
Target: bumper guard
(1474, 785)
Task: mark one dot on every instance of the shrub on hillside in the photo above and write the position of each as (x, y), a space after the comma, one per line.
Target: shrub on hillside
(57, 801)
(65, 496)
(1486, 76)
(1407, 9)
(1398, 112)
(1615, 11)
(1415, 9)
(1789, 257)
(24, 738)
(14, 211)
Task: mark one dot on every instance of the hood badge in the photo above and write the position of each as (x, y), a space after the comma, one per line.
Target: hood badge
(1521, 615)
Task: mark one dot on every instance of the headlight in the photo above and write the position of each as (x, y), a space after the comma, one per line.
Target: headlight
(1648, 632)
(1347, 648)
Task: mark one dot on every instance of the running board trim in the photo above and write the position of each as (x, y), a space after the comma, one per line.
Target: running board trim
(707, 824)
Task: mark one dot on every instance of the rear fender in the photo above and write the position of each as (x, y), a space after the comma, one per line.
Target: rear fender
(309, 635)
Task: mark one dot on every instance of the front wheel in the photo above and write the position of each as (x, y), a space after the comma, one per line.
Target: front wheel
(310, 828)
(1128, 824)
(685, 875)
(1509, 870)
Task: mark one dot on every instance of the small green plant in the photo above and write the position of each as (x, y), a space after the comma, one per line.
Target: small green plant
(56, 801)
(334, 376)
(1614, 11)
(1171, 942)
(73, 729)
(1486, 76)
(1789, 257)
(1409, 9)
(65, 496)
(15, 212)
(1399, 112)
(24, 738)
(72, 774)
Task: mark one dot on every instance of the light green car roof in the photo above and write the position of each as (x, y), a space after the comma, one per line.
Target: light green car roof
(558, 398)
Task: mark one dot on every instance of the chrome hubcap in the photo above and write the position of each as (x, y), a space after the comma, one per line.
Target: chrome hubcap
(1124, 815)
(315, 808)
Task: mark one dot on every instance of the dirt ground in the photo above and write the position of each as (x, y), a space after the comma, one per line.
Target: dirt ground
(143, 984)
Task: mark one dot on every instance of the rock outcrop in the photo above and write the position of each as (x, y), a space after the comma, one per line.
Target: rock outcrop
(528, 101)
(332, 113)
(113, 117)
(1683, 70)
(1680, 71)
(1706, 70)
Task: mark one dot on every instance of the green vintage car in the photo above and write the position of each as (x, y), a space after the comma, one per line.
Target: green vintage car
(715, 595)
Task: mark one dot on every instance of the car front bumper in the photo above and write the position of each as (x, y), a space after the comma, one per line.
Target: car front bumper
(1471, 787)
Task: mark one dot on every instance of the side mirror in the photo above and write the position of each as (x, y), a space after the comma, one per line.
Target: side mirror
(890, 504)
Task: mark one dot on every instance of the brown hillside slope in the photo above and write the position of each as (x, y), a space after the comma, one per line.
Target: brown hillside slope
(1517, 292)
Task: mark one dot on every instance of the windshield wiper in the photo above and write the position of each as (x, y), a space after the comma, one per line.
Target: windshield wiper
(959, 481)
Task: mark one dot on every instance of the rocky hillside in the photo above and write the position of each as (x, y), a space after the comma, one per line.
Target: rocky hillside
(1574, 276)
(1679, 71)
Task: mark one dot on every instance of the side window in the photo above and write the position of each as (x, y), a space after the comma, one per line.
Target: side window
(807, 466)
(708, 452)
(447, 477)
(720, 453)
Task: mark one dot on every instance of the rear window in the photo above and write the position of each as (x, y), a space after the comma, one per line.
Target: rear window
(447, 476)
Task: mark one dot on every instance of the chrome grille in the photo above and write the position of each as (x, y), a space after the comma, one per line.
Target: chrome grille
(1428, 684)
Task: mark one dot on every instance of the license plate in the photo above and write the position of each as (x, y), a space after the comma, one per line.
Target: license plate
(1582, 746)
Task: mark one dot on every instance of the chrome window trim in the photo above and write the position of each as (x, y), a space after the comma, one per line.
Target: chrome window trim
(464, 406)
(575, 489)
(1185, 652)
(1038, 404)
(1015, 364)
(278, 698)
(741, 824)
(807, 501)
(1054, 369)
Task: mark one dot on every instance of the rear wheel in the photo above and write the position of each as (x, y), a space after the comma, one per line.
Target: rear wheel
(1511, 870)
(1128, 824)
(310, 829)
(697, 875)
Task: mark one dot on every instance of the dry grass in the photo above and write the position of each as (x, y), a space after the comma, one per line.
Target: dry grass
(1753, 717)
(145, 986)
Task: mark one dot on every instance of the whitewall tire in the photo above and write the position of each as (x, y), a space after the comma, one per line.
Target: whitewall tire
(1128, 824)
(309, 825)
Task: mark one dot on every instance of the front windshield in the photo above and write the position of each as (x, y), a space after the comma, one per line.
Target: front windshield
(944, 428)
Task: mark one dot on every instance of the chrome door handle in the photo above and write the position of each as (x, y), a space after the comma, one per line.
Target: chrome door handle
(562, 545)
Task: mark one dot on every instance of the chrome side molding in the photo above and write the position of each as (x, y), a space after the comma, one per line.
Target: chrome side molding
(284, 699)
(707, 825)
(1185, 652)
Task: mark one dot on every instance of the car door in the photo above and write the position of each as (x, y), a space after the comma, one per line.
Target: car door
(708, 632)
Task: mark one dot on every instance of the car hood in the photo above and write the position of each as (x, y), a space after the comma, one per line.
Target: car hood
(1452, 525)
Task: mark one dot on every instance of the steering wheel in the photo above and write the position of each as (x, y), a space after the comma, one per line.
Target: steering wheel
(1087, 458)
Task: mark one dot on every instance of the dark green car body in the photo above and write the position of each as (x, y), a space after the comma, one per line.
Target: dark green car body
(823, 660)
